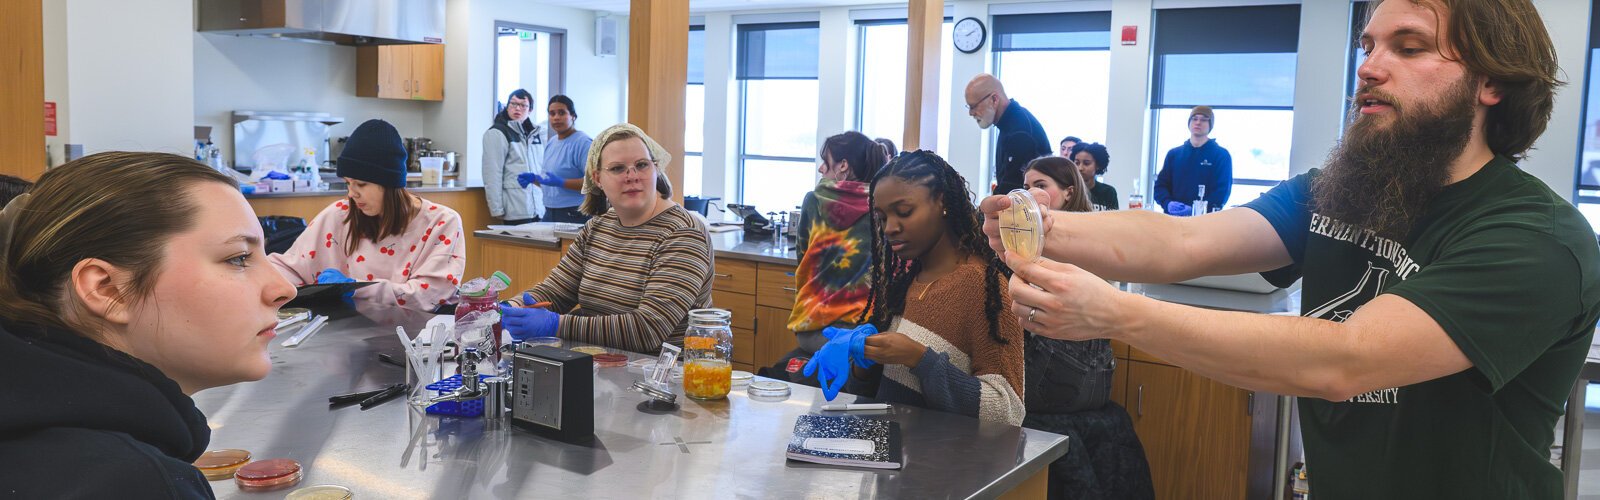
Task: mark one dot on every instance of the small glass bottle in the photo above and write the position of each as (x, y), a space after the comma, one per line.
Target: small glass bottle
(708, 354)
(1136, 200)
(1199, 207)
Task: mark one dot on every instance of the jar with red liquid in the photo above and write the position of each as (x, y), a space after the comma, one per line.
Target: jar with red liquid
(478, 295)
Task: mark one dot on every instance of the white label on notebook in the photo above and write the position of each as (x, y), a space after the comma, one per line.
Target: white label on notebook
(842, 446)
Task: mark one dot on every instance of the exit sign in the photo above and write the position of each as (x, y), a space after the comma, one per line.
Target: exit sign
(524, 35)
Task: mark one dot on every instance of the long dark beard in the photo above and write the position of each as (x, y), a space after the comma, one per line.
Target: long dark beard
(1383, 179)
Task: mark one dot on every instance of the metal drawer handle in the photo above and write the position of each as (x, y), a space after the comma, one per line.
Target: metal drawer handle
(790, 289)
(1138, 408)
(722, 275)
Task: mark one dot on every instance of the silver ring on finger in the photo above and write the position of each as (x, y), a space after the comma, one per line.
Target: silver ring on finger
(1032, 311)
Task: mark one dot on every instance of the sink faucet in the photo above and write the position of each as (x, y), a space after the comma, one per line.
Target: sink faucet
(470, 388)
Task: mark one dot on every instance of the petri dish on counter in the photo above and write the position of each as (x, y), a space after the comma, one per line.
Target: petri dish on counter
(321, 492)
(1022, 225)
(590, 350)
(767, 390)
(610, 360)
(741, 377)
(267, 475)
(217, 465)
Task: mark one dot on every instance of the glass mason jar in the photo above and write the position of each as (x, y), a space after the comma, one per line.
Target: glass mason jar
(708, 354)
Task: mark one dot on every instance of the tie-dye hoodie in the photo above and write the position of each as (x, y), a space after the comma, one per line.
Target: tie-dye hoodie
(835, 273)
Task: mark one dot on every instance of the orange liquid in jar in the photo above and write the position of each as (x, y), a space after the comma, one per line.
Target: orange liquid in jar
(707, 379)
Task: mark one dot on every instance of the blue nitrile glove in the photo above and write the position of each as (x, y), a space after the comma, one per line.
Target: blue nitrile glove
(526, 178)
(831, 365)
(277, 176)
(857, 339)
(1177, 208)
(528, 322)
(552, 180)
(331, 275)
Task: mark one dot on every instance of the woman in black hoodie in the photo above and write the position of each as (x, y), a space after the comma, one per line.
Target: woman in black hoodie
(128, 281)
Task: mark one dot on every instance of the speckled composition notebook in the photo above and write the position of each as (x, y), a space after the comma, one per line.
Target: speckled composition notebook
(847, 441)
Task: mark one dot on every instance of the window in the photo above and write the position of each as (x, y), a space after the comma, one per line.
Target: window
(1358, 22)
(694, 114)
(1588, 196)
(1241, 62)
(777, 76)
(881, 81)
(1056, 65)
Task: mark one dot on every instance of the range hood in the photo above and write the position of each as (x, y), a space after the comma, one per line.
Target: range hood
(345, 22)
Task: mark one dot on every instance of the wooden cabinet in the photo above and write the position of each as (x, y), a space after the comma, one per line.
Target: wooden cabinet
(773, 338)
(414, 72)
(527, 265)
(1195, 431)
(733, 275)
(775, 286)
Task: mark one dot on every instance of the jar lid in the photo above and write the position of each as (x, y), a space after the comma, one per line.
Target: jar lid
(321, 492)
(1022, 225)
(709, 316)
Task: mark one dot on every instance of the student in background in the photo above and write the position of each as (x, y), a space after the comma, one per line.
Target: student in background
(1066, 145)
(637, 267)
(512, 147)
(938, 299)
(564, 157)
(889, 150)
(1092, 160)
(128, 282)
(1021, 137)
(1197, 162)
(1060, 178)
(413, 248)
(834, 277)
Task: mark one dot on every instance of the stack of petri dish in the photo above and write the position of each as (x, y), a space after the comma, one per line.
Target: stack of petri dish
(268, 475)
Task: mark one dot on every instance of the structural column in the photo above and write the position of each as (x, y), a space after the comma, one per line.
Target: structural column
(658, 52)
(22, 77)
(924, 19)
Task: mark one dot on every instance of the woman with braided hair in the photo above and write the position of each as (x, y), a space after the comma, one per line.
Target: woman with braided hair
(938, 296)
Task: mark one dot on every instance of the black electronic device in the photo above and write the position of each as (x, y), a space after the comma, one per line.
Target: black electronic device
(318, 293)
(754, 223)
(553, 393)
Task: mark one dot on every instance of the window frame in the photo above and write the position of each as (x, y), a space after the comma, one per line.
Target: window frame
(744, 100)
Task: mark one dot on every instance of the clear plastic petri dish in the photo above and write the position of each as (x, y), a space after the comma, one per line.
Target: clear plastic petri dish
(767, 390)
(741, 377)
(217, 465)
(321, 492)
(266, 475)
(1022, 225)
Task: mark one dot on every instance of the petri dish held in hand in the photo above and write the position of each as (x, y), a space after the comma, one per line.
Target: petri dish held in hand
(268, 475)
(221, 464)
(1022, 225)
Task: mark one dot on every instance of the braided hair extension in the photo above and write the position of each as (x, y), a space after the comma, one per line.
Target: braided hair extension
(892, 275)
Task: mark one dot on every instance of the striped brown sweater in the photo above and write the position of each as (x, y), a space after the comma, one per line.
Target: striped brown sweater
(634, 285)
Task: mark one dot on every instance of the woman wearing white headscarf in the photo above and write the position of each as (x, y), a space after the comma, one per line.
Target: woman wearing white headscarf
(639, 265)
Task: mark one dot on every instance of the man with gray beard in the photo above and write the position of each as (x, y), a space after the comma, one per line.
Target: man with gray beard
(1448, 298)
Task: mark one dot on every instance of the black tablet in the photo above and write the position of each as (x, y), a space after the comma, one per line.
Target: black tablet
(324, 292)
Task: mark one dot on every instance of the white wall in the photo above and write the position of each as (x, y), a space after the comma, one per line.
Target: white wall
(261, 74)
(597, 85)
(130, 89)
(1554, 158)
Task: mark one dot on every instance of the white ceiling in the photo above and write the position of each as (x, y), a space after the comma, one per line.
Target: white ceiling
(699, 6)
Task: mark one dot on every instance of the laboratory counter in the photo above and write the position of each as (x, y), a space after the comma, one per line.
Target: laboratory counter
(712, 449)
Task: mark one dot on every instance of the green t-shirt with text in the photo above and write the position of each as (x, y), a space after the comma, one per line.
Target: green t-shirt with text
(1509, 270)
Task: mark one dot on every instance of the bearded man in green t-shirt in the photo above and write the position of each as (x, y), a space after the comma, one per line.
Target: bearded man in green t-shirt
(1448, 298)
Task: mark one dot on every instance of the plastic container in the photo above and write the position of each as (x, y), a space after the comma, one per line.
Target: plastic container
(708, 354)
(483, 294)
(267, 475)
(217, 465)
(321, 492)
(1022, 225)
(768, 390)
(432, 170)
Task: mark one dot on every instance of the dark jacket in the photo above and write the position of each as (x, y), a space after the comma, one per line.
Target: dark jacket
(80, 420)
(1187, 168)
(1021, 140)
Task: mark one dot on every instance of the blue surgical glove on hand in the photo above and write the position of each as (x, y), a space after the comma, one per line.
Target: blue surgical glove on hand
(526, 178)
(552, 180)
(331, 275)
(831, 366)
(524, 323)
(1177, 208)
(856, 338)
